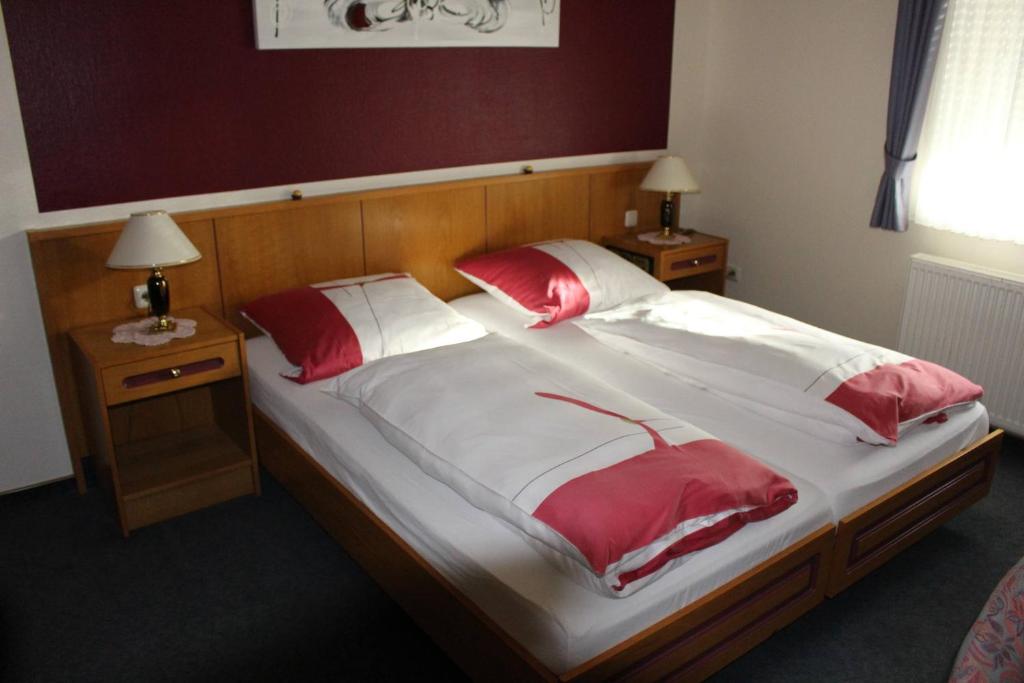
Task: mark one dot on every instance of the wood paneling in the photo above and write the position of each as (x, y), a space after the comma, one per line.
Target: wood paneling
(611, 196)
(76, 288)
(268, 252)
(425, 234)
(147, 419)
(614, 192)
(540, 209)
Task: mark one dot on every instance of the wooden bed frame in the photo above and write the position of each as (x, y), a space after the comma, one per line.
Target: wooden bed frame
(254, 250)
(874, 534)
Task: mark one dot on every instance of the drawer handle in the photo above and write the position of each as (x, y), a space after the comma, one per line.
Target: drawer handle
(694, 262)
(166, 374)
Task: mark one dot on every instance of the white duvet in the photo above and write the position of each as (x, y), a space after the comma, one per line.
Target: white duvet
(817, 381)
(607, 488)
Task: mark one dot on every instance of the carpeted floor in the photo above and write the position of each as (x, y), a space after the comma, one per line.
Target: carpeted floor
(253, 590)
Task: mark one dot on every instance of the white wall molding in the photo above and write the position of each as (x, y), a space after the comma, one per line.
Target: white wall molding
(112, 212)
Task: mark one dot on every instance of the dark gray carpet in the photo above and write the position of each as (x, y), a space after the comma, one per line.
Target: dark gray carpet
(254, 590)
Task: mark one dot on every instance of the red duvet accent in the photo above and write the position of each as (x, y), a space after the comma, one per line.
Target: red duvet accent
(535, 279)
(611, 512)
(884, 397)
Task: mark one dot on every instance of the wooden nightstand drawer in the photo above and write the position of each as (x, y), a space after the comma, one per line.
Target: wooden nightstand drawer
(693, 262)
(697, 264)
(155, 376)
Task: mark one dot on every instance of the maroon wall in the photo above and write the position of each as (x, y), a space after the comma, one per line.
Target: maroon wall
(125, 100)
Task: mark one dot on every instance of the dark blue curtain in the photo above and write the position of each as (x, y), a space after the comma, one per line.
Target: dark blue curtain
(918, 33)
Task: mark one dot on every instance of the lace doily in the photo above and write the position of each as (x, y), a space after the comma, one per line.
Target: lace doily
(658, 237)
(138, 332)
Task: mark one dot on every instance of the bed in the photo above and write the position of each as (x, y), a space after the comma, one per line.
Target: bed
(251, 251)
(882, 499)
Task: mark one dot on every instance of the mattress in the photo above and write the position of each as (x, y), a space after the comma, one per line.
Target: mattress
(851, 476)
(559, 622)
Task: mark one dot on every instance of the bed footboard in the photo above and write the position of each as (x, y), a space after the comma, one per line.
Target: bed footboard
(872, 535)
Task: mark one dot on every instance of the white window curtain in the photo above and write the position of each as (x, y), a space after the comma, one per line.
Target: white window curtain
(970, 168)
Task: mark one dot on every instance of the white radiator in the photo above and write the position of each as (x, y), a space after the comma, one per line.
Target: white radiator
(971, 320)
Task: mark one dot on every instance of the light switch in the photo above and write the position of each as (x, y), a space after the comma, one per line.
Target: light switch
(631, 218)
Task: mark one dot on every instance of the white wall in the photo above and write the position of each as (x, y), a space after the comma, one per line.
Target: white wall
(32, 441)
(34, 449)
(792, 97)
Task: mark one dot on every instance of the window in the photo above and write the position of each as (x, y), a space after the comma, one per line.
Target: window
(970, 169)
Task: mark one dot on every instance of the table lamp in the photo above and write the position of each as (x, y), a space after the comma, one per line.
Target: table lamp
(151, 239)
(669, 175)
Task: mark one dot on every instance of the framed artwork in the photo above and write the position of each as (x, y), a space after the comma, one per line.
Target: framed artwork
(303, 24)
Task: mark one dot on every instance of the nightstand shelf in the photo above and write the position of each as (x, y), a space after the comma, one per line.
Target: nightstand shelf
(170, 426)
(699, 264)
(169, 461)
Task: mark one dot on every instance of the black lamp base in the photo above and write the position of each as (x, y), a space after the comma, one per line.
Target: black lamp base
(668, 209)
(159, 302)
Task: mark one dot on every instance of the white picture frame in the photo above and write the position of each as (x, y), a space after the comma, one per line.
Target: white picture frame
(310, 24)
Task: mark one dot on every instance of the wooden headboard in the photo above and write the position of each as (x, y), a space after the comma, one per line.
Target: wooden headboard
(249, 251)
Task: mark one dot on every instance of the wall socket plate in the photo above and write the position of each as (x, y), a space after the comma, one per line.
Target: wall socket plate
(140, 295)
(632, 216)
(732, 273)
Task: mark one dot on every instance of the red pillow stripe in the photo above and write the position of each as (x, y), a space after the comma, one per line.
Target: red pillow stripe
(289, 316)
(536, 280)
(328, 328)
(892, 394)
(560, 279)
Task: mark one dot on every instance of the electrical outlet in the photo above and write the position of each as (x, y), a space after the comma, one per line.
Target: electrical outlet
(732, 273)
(140, 295)
(631, 218)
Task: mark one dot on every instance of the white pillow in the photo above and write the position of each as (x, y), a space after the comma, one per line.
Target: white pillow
(330, 327)
(553, 281)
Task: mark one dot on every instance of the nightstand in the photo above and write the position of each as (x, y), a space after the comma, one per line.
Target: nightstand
(700, 264)
(169, 426)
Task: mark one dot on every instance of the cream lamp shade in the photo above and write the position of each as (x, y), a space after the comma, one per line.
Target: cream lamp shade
(151, 240)
(670, 174)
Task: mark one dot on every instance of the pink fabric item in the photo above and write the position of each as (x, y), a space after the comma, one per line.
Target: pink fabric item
(611, 512)
(993, 650)
(310, 331)
(890, 394)
(538, 281)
